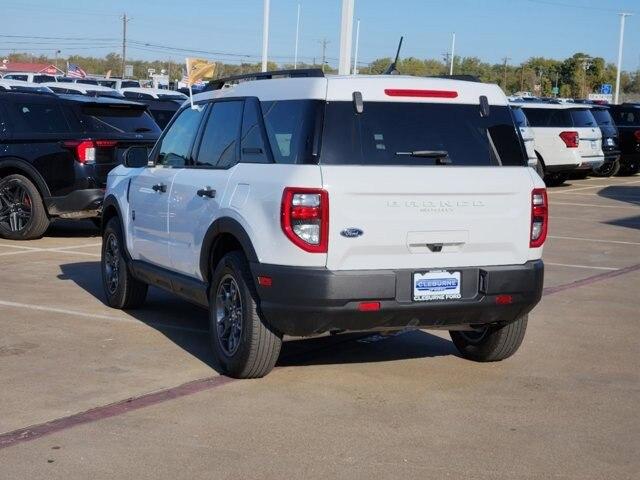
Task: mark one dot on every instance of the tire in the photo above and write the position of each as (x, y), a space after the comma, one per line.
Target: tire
(492, 344)
(608, 169)
(121, 289)
(245, 346)
(555, 179)
(22, 212)
(629, 169)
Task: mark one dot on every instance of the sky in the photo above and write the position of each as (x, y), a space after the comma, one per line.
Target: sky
(231, 30)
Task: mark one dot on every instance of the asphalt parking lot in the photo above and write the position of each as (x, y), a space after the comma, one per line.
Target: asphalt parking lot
(92, 392)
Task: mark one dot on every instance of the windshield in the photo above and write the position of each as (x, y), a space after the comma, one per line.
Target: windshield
(400, 133)
(519, 117)
(583, 118)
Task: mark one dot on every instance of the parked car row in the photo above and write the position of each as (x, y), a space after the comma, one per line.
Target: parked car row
(578, 139)
(115, 83)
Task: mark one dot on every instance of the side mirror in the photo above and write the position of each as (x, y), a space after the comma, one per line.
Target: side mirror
(136, 157)
(485, 110)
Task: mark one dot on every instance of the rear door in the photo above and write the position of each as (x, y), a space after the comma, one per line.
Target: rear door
(470, 207)
(199, 191)
(151, 189)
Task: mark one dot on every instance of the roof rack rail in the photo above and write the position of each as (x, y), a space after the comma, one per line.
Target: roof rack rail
(219, 83)
(465, 78)
(21, 89)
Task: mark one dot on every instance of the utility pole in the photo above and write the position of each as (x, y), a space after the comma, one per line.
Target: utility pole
(522, 79)
(57, 53)
(586, 63)
(346, 34)
(324, 42)
(265, 35)
(355, 54)
(453, 52)
(295, 55)
(504, 83)
(620, 45)
(125, 20)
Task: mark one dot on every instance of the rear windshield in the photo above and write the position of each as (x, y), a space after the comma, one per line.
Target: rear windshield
(116, 119)
(519, 117)
(129, 84)
(627, 117)
(560, 117)
(583, 118)
(389, 133)
(602, 116)
(43, 78)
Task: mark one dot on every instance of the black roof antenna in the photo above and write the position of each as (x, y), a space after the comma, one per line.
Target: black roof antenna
(393, 68)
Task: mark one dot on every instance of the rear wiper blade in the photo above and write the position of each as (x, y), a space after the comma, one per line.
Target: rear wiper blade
(441, 155)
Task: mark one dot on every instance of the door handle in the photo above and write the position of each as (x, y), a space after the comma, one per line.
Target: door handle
(159, 187)
(206, 192)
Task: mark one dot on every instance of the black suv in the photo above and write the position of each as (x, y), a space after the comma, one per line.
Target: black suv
(627, 118)
(610, 141)
(56, 152)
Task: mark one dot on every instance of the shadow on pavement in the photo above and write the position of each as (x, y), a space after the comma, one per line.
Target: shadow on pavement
(623, 193)
(187, 325)
(72, 229)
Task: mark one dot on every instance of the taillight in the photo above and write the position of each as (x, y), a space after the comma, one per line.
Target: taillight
(570, 139)
(304, 217)
(539, 217)
(637, 135)
(86, 149)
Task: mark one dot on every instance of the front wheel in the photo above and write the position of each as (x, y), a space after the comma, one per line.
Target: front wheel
(491, 343)
(245, 346)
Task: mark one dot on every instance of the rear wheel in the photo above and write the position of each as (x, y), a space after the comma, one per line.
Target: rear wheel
(22, 212)
(630, 168)
(608, 169)
(555, 179)
(491, 343)
(122, 290)
(245, 346)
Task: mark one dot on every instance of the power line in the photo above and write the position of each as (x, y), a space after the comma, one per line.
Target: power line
(572, 5)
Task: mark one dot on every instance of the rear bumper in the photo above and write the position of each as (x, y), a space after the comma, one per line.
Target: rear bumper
(305, 301)
(589, 163)
(560, 168)
(84, 203)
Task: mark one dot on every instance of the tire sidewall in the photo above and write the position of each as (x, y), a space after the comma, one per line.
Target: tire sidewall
(230, 265)
(38, 222)
(116, 299)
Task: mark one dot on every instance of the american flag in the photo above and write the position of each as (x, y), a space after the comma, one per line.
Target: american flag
(74, 71)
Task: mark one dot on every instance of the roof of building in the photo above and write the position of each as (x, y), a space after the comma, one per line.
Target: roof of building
(24, 67)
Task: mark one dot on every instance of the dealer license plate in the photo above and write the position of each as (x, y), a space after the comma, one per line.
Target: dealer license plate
(436, 285)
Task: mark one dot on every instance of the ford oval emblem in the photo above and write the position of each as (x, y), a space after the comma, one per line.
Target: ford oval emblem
(351, 232)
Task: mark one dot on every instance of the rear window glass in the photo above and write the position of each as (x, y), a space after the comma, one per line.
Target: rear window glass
(24, 78)
(163, 96)
(43, 78)
(419, 134)
(129, 84)
(602, 116)
(582, 118)
(548, 117)
(627, 117)
(39, 118)
(519, 117)
(290, 126)
(116, 119)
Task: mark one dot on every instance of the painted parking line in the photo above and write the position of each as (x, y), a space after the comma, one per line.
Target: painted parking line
(597, 240)
(590, 280)
(588, 267)
(591, 205)
(70, 249)
(78, 313)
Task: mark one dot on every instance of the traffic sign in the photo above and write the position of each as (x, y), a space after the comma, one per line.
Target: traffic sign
(555, 90)
(606, 89)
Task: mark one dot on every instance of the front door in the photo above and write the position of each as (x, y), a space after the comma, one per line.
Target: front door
(150, 191)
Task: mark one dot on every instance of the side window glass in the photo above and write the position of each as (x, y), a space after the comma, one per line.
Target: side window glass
(4, 126)
(39, 118)
(176, 145)
(219, 140)
(252, 146)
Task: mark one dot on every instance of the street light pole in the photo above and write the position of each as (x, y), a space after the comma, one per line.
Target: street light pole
(453, 52)
(620, 44)
(355, 53)
(295, 55)
(346, 34)
(265, 35)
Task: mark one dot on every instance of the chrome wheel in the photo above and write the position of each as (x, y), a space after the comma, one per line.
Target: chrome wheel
(15, 206)
(229, 316)
(112, 263)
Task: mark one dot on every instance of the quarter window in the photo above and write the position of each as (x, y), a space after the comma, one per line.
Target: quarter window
(40, 118)
(252, 143)
(175, 146)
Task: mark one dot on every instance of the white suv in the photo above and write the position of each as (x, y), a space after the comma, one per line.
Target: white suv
(567, 138)
(306, 205)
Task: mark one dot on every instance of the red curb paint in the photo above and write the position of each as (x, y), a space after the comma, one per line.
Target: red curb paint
(589, 280)
(135, 403)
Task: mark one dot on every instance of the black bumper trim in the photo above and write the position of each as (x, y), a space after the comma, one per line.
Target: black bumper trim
(78, 201)
(305, 301)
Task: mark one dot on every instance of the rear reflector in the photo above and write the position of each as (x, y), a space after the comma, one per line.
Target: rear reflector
(369, 306)
(264, 281)
(637, 135)
(400, 92)
(570, 139)
(504, 299)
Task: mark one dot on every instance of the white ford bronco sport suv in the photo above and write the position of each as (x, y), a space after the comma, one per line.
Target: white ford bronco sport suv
(318, 204)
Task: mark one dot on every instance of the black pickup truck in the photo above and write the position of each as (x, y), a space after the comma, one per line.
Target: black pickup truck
(627, 118)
